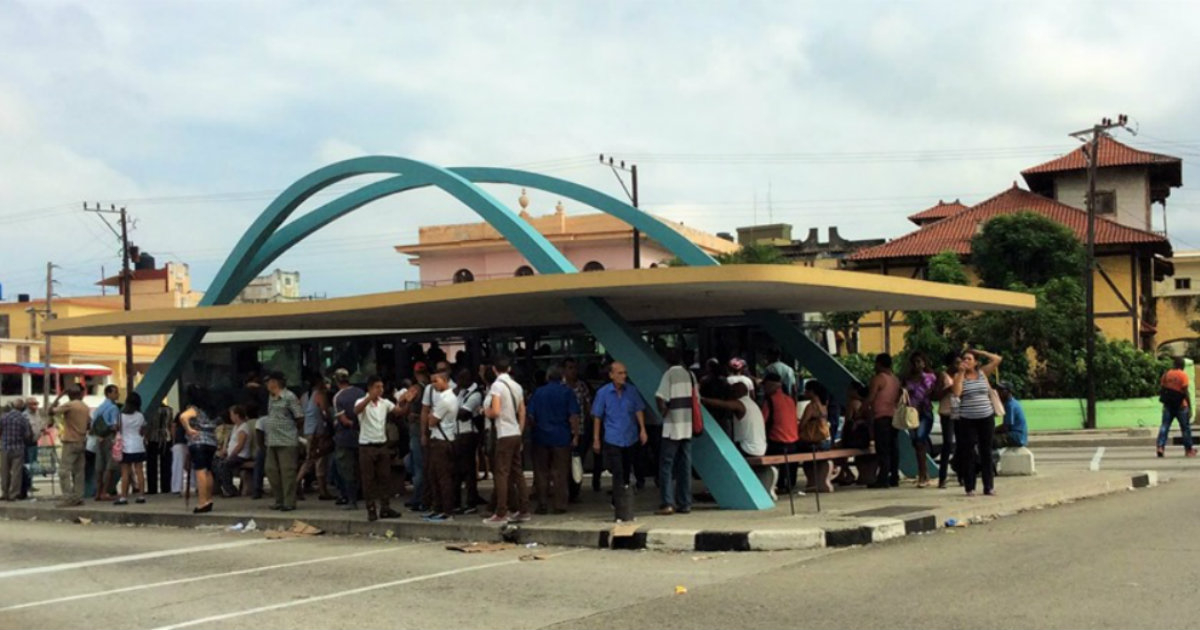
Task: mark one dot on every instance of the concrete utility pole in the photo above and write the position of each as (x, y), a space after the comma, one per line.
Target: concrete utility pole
(1092, 151)
(632, 169)
(126, 277)
(46, 382)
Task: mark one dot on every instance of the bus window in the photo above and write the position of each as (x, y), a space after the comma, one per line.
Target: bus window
(10, 385)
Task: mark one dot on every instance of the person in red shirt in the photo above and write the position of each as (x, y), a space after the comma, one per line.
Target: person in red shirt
(1174, 397)
(783, 427)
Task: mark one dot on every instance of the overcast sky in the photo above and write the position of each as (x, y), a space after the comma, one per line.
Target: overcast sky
(194, 115)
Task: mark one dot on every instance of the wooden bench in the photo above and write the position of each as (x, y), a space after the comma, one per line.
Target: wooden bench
(821, 474)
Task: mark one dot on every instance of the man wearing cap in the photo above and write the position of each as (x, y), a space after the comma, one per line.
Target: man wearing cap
(1014, 431)
(345, 438)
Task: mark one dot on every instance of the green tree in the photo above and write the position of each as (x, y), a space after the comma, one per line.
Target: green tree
(755, 254)
(935, 333)
(846, 323)
(1025, 248)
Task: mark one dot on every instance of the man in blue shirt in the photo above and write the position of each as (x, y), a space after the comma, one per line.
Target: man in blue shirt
(619, 409)
(108, 414)
(1014, 431)
(554, 413)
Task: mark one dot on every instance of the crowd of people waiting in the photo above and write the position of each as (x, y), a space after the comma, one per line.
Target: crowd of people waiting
(448, 426)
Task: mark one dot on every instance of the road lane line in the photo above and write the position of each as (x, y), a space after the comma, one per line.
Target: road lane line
(1095, 465)
(347, 593)
(140, 587)
(150, 555)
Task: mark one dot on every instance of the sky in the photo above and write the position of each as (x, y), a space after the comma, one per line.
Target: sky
(194, 115)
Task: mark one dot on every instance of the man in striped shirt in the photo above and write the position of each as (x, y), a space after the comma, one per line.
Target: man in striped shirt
(676, 393)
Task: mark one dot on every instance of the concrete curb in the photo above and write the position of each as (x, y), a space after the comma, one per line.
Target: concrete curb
(851, 532)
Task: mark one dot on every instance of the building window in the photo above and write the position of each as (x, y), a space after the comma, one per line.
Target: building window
(1106, 202)
(1183, 284)
(524, 270)
(463, 275)
(593, 266)
(4, 331)
(23, 354)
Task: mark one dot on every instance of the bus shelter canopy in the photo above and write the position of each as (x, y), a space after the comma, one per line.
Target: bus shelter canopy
(638, 295)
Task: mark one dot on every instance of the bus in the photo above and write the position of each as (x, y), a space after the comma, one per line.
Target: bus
(27, 380)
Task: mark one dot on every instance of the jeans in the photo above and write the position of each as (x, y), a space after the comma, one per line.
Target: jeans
(11, 465)
(346, 460)
(417, 459)
(887, 451)
(1185, 425)
(975, 436)
(948, 428)
(920, 435)
(675, 474)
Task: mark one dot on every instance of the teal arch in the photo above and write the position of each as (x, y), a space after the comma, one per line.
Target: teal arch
(731, 481)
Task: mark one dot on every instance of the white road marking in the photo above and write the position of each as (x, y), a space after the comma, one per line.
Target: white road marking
(1095, 465)
(150, 555)
(347, 593)
(272, 567)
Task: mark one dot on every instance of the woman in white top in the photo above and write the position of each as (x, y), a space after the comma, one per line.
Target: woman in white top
(749, 429)
(234, 452)
(133, 450)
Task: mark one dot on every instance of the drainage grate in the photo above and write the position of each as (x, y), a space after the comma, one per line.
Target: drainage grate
(892, 510)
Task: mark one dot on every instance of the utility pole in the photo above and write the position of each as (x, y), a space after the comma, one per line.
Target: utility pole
(46, 382)
(1092, 152)
(126, 276)
(632, 169)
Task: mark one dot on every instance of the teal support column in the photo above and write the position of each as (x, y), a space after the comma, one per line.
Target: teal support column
(714, 456)
(908, 458)
(824, 367)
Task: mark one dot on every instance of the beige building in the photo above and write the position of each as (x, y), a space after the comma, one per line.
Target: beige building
(277, 286)
(468, 252)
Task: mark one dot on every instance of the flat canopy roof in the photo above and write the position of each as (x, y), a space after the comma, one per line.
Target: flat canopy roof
(675, 293)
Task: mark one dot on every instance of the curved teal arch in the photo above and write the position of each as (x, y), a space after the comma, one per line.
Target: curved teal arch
(730, 479)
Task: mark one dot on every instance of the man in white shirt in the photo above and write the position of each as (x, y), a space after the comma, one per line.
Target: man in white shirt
(374, 458)
(510, 501)
(426, 496)
(466, 444)
(439, 439)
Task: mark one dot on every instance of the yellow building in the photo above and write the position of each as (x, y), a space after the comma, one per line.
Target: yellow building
(1178, 301)
(21, 322)
(1129, 261)
(1133, 263)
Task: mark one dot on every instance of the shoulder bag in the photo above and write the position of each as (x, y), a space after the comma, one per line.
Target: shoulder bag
(697, 412)
(906, 417)
(997, 405)
(118, 446)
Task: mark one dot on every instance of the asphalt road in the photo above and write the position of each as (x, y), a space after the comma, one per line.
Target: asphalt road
(1126, 560)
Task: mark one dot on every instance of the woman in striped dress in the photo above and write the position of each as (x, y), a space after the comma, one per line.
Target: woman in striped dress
(976, 419)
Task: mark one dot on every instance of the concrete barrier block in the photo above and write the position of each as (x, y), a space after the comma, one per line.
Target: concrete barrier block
(786, 539)
(1016, 461)
(671, 539)
(882, 529)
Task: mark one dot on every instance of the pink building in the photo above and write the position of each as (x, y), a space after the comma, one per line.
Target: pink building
(595, 241)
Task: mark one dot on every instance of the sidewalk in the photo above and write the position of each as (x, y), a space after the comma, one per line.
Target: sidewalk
(1095, 438)
(850, 516)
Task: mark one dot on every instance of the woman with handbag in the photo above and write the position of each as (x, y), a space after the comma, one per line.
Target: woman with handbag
(814, 426)
(920, 382)
(977, 411)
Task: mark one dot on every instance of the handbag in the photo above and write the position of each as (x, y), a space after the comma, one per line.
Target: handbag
(576, 469)
(814, 431)
(997, 405)
(906, 417)
(118, 446)
(697, 412)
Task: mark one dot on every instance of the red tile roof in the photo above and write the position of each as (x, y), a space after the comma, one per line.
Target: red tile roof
(938, 212)
(955, 233)
(1112, 153)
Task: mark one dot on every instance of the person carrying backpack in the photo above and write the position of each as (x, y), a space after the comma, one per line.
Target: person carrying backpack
(1174, 397)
